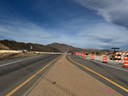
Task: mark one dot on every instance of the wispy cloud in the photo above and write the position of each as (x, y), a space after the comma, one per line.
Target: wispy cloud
(96, 35)
(24, 31)
(104, 35)
(115, 11)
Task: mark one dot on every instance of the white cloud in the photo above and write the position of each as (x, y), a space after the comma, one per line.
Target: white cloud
(115, 11)
(97, 35)
(27, 31)
(24, 31)
(103, 35)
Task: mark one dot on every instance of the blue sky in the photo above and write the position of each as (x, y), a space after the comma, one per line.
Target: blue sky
(81, 23)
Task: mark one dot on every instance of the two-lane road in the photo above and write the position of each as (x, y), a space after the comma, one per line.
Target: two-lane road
(13, 73)
(113, 77)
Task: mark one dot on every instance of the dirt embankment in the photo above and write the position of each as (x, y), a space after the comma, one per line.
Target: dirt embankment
(3, 47)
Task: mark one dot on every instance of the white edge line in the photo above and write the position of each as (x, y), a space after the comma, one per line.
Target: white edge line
(15, 62)
(110, 66)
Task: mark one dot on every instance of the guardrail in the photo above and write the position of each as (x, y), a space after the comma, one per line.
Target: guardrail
(21, 51)
(46, 52)
(10, 51)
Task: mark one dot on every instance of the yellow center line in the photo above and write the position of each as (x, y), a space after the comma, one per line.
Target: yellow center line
(29, 79)
(121, 87)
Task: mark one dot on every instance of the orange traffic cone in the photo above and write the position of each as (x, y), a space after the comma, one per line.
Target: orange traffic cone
(104, 59)
(92, 56)
(125, 65)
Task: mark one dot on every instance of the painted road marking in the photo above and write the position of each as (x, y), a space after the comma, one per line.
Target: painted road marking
(29, 79)
(112, 66)
(15, 62)
(112, 82)
(26, 94)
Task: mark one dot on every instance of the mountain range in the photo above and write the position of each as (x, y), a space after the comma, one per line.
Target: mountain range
(54, 47)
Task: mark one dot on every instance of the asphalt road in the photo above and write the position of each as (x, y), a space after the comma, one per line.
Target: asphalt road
(17, 71)
(119, 77)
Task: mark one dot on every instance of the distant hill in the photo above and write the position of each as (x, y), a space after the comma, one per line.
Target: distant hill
(69, 48)
(13, 45)
(61, 47)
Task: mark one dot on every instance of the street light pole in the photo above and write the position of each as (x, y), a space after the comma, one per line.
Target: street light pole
(115, 49)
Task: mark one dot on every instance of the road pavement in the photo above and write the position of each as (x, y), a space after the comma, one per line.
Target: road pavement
(16, 71)
(19, 75)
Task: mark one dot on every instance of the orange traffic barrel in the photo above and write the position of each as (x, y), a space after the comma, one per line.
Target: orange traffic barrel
(92, 56)
(104, 59)
(84, 55)
(125, 64)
